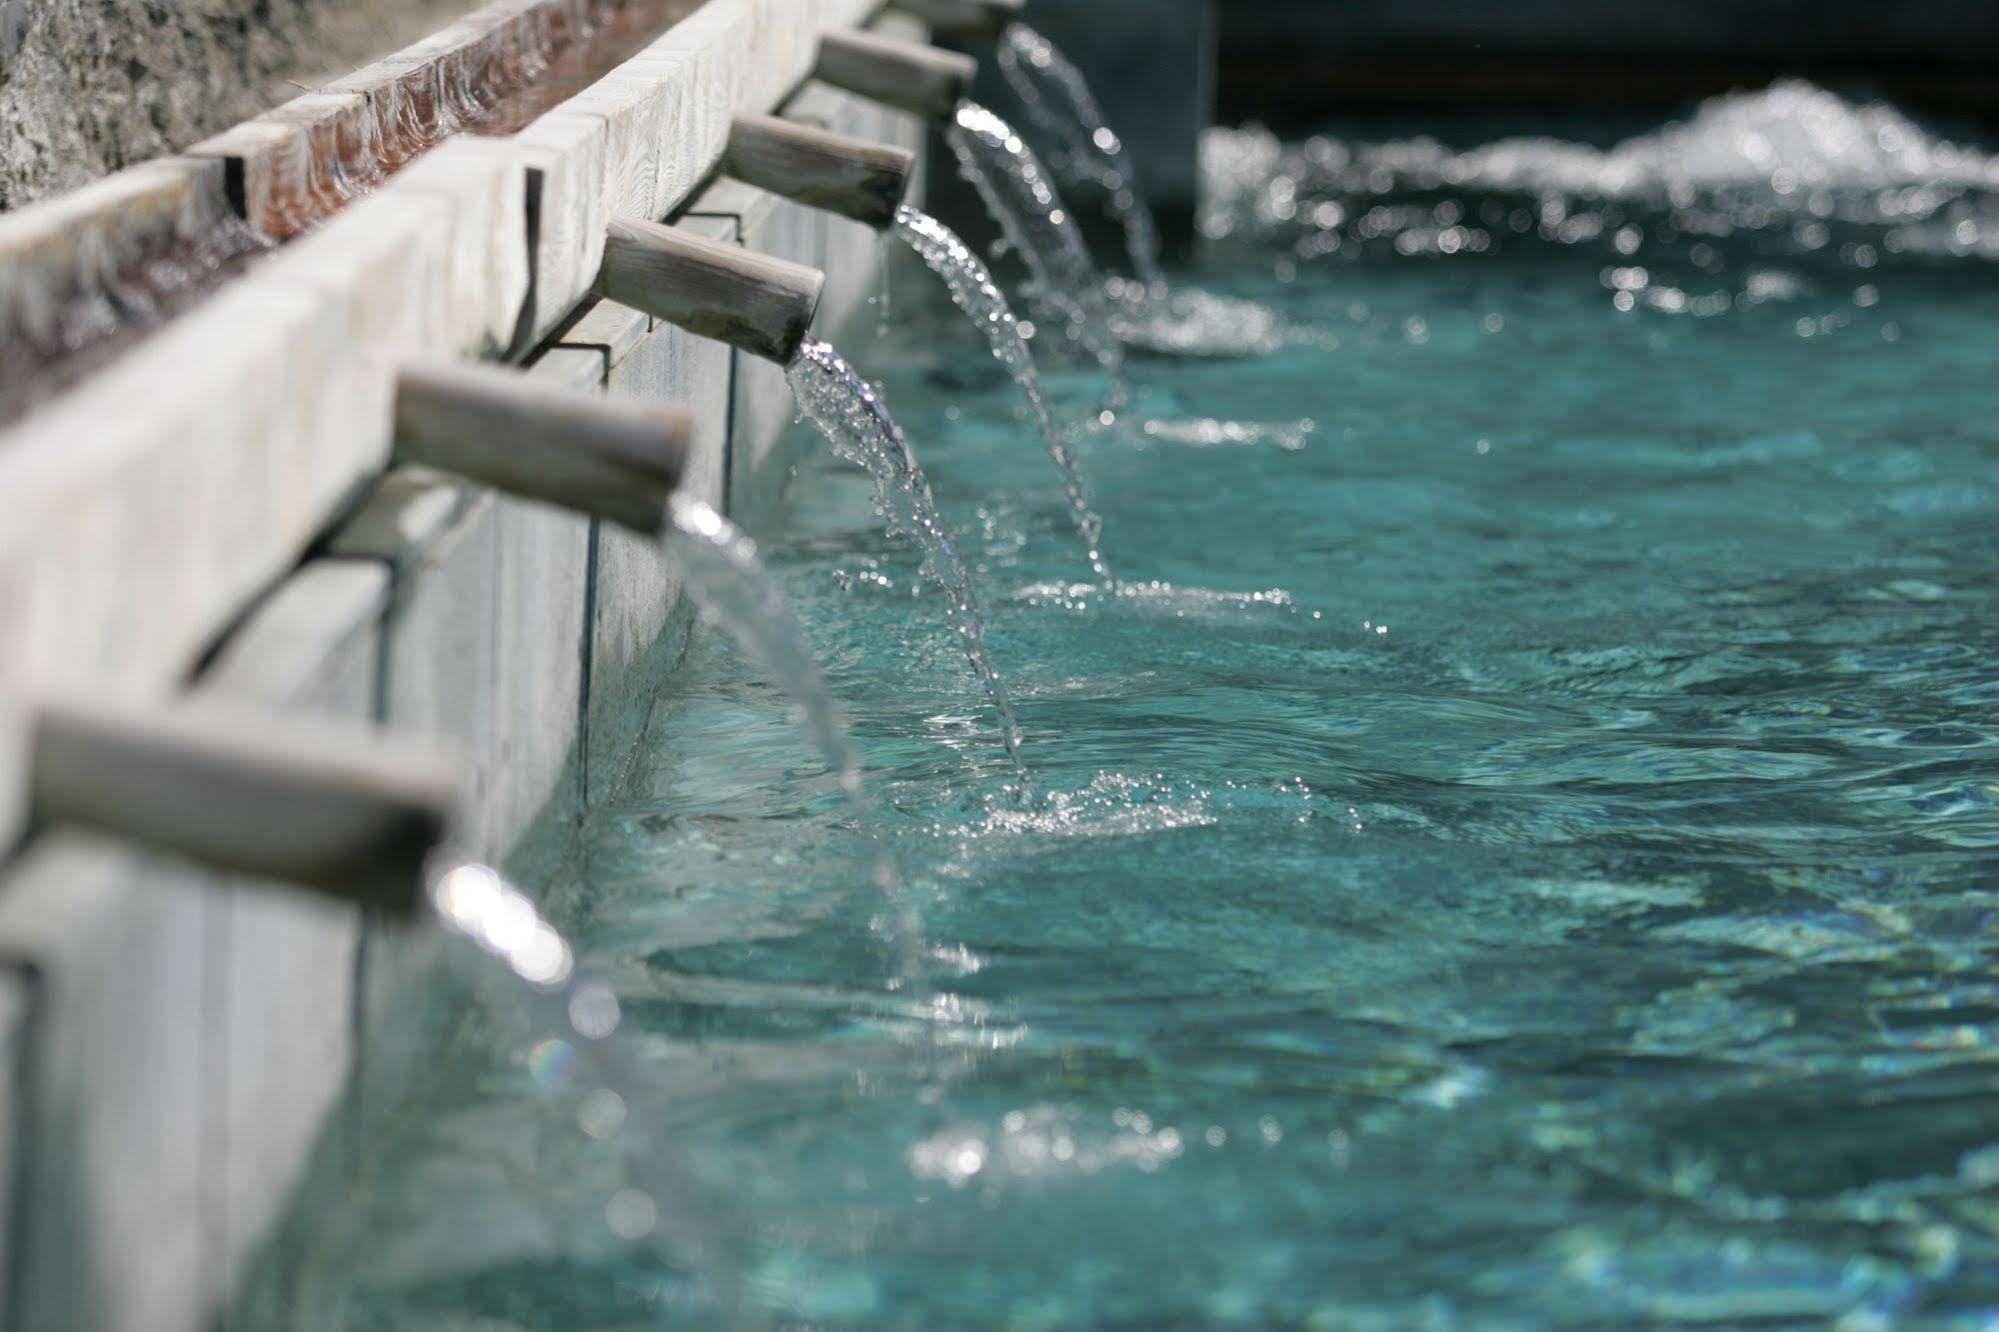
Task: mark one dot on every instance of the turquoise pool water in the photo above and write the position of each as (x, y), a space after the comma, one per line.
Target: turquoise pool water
(1528, 863)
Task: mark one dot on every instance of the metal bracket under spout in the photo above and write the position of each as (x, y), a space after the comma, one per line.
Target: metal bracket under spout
(341, 811)
(906, 75)
(617, 459)
(751, 301)
(856, 178)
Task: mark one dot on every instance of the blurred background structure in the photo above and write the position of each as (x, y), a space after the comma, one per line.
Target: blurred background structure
(1283, 59)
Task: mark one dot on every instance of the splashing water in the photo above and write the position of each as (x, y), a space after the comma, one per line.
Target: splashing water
(974, 292)
(1065, 287)
(684, 1223)
(1059, 100)
(854, 421)
(1790, 157)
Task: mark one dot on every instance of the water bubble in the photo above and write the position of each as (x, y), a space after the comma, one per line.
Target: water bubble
(602, 1113)
(631, 1214)
(593, 1011)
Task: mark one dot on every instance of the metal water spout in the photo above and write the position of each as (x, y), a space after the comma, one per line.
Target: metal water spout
(857, 178)
(968, 20)
(619, 459)
(910, 76)
(342, 811)
(751, 301)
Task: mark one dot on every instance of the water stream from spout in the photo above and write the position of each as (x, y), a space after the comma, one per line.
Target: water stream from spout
(725, 576)
(853, 419)
(974, 292)
(578, 1017)
(1065, 288)
(1089, 151)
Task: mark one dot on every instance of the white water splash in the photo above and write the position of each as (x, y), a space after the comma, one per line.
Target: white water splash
(1745, 159)
(1206, 432)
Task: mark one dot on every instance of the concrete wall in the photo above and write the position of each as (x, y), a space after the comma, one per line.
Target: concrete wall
(172, 1045)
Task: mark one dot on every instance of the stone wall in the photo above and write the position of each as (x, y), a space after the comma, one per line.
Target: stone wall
(88, 86)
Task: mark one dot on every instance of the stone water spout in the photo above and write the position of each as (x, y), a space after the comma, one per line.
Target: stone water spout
(340, 811)
(755, 303)
(856, 178)
(620, 460)
(910, 76)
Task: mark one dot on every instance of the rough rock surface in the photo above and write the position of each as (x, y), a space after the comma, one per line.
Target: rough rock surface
(88, 86)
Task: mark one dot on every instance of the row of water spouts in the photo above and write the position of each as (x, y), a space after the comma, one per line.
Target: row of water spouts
(365, 819)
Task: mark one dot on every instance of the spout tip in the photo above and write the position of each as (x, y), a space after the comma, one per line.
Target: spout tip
(612, 458)
(838, 173)
(342, 812)
(753, 302)
(910, 76)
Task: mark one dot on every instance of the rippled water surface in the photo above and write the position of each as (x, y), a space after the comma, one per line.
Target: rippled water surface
(1518, 853)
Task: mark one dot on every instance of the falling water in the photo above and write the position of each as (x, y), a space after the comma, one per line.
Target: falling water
(579, 1017)
(974, 291)
(855, 422)
(1103, 318)
(727, 579)
(1065, 285)
(1058, 99)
